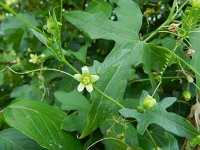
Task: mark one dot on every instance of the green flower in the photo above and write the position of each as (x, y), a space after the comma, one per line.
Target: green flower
(85, 80)
(34, 58)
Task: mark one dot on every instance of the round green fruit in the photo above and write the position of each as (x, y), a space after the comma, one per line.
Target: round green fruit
(149, 103)
(195, 3)
(187, 95)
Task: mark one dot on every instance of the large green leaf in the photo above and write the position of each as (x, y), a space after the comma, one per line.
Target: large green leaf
(194, 38)
(163, 139)
(98, 25)
(127, 53)
(73, 100)
(116, 68)
(167, 120)
(99, 6)
(42, 123)
(12, 139)
(171, 142)
(81, 54)
(26, 92)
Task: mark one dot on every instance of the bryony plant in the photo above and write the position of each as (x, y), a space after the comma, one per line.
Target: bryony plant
(86, 80)
(139, 77)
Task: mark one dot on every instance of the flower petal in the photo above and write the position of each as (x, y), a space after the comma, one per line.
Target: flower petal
(77, 77)
(89, 88)
(94, 78)
(85, 70)
(80, 87)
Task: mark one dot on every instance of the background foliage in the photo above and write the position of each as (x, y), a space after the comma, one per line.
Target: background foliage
(139, 49)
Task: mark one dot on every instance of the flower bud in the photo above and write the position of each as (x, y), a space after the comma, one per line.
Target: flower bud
(195, 3)
(173, 27)
(190, 78)
(149, 103)
(187, 95)
(190, 52)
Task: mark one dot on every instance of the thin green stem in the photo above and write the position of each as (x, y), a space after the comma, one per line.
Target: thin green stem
(74, 4)
(156, 31)
(70, 66)
(184, 102)
(20, 17)
(61, 6)
(196, 86)
(181, 60)
(157, 88)
(151, 138)
(165, 67)
(36, 70)
(169, 58)
(180, 7)
(3, 97)
(37, 29)
(108, 138)
(170, 18)
(187, 75)
(108, 97)
(165, 78)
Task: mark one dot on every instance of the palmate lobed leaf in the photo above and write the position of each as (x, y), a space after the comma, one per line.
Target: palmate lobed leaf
(99, 6)
(116, 69)
(128, 52)
(97, 25)
(167, 120)
(42, 123)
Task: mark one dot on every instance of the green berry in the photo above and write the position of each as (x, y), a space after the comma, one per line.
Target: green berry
(149, 103)
(195, 3)
(187, 95)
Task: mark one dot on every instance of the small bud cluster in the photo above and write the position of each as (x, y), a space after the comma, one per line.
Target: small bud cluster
(173, 27)
(35, 59)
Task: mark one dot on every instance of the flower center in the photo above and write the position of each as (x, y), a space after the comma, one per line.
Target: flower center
(86, 80)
